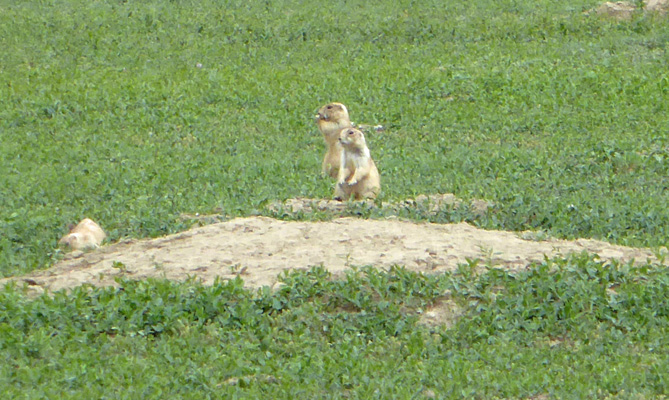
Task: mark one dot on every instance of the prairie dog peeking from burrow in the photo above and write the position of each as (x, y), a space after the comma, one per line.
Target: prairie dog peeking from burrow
(358, 175)
(85, 235)
(331, 119)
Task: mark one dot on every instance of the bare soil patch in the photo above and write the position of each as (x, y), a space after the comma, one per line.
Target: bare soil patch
(443, 313)
(259, 248)
(432, 204)
(624, 10)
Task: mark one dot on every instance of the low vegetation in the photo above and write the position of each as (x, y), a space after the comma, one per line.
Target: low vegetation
(131, 113)
(576, 328)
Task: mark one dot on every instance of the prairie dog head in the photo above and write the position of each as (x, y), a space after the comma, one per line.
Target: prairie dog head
(352, 138)
(77, 241)
(335, 113)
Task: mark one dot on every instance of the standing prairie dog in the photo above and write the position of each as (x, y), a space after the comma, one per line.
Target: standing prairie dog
(331, 119)
(358, 175)
(85, 235)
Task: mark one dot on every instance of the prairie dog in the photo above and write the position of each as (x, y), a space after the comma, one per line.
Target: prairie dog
(85, 235)
(358, 175)
(331, 119)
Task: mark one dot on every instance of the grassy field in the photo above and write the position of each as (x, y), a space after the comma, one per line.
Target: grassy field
(557, 117)
(563, 329)
(132, 113)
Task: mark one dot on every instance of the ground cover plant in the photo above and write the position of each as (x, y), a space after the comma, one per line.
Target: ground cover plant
(132, 113)
(576, 328)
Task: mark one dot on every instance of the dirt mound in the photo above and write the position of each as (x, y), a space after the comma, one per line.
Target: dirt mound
(623, 10)
(259, 248)
(430, 203)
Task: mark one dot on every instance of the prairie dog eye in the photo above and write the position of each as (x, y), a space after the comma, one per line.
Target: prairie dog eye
(329, 107)
(351, 132)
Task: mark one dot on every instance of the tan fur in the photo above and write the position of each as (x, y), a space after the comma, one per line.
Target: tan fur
(85, 235)
(358, 175)
(331, 119)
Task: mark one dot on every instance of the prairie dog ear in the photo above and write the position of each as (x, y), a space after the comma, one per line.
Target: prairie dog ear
(337, 107)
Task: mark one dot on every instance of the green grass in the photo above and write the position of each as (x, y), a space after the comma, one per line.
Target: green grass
(559, 118)
(576, 328)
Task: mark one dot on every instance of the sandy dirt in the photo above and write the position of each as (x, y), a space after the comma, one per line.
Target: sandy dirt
(259, 248)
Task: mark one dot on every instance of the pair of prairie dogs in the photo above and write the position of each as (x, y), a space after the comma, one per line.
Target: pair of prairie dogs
(347, 158)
